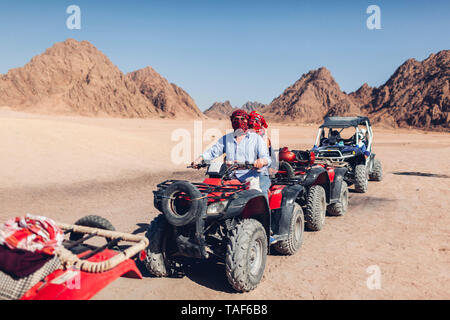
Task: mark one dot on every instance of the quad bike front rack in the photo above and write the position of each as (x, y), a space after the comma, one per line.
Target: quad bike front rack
(212, 192)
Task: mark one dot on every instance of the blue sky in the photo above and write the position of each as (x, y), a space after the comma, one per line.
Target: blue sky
(234, 50)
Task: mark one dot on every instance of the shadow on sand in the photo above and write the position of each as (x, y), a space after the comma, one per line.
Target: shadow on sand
(421, 174)
(207, 273)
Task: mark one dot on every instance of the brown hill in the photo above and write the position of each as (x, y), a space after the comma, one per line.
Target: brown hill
(170, 99)
(363, 95)
(75, 77)
(315, 95)
(219, 110)
(249, 106)
(222, 110)
(417, 94)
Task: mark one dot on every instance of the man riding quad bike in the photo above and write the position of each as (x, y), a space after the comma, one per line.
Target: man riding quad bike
(225, 219)
(355, 151)
(324, 187)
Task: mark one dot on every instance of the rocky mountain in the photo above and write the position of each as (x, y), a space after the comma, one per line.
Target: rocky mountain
(249, 106)
(219, 110)
(76, 78)
(362, 96)
(168, 98)
(417, 94)
(315, 95)
(222, 110)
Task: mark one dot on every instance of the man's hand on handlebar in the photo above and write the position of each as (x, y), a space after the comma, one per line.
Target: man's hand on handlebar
(241, 165)
(259, 163)
(197, 163)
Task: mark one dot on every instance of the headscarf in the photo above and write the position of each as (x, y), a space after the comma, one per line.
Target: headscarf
(257, 122)
(239, 123)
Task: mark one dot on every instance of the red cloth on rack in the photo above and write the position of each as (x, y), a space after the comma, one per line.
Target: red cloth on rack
(31, 233)
(20, 263)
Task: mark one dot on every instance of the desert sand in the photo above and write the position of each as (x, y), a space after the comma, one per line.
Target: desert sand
(65, 167)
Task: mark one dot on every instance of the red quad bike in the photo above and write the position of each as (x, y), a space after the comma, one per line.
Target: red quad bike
(91, 267)
(223, 219)
(324, 189)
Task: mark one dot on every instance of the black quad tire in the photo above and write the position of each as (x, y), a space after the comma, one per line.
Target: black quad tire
(340, 208)
(315, 209)
(295, 237)
(361, 178)
(377, 171)
(168, 203)
(246, 255)
(92, 221)
(156, 260)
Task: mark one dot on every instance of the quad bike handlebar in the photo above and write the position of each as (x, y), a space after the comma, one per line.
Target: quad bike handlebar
(231, 166)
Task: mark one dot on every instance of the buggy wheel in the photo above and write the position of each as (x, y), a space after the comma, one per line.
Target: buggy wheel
(340, 208)
(246, 255)
(377, 172)
(295, 236)
(91, 221)
(316, 206)
(361, 178)
(157, 261)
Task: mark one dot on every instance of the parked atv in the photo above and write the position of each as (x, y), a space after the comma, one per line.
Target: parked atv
(355, 151)
(324, 187)
(224, 219)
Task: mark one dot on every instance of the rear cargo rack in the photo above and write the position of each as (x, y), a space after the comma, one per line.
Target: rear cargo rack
(220, 191)
(70, 259)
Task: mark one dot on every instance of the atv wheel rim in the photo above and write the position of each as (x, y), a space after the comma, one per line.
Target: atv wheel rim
(323, 210)
(255, 257)
(345, 201)
(298, 230)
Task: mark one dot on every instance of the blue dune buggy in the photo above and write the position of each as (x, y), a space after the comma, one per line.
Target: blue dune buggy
(355, 150)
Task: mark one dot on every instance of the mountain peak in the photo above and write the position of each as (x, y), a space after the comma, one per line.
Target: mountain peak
(75, 77)
(315, 95)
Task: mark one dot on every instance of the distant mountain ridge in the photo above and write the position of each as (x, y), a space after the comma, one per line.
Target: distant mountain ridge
(416, 95)
(223, 110)
(76, 78)
(315, 95)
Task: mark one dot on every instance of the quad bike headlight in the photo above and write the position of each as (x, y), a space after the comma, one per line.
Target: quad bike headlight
(216, 207)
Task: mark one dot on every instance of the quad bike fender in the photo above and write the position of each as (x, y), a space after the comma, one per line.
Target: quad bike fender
(358, 159)
(80, 285)
(250, 204)
(319, 176)
(339, 176)
(247, 203)
(290, 195)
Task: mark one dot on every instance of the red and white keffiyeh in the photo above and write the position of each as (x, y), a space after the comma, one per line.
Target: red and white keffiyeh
(257, 122)
(31, 233)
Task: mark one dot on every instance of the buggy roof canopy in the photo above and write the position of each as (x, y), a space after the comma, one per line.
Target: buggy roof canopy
(344, 122)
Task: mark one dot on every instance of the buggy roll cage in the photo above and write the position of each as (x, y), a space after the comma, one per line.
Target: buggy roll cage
(346, 122)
